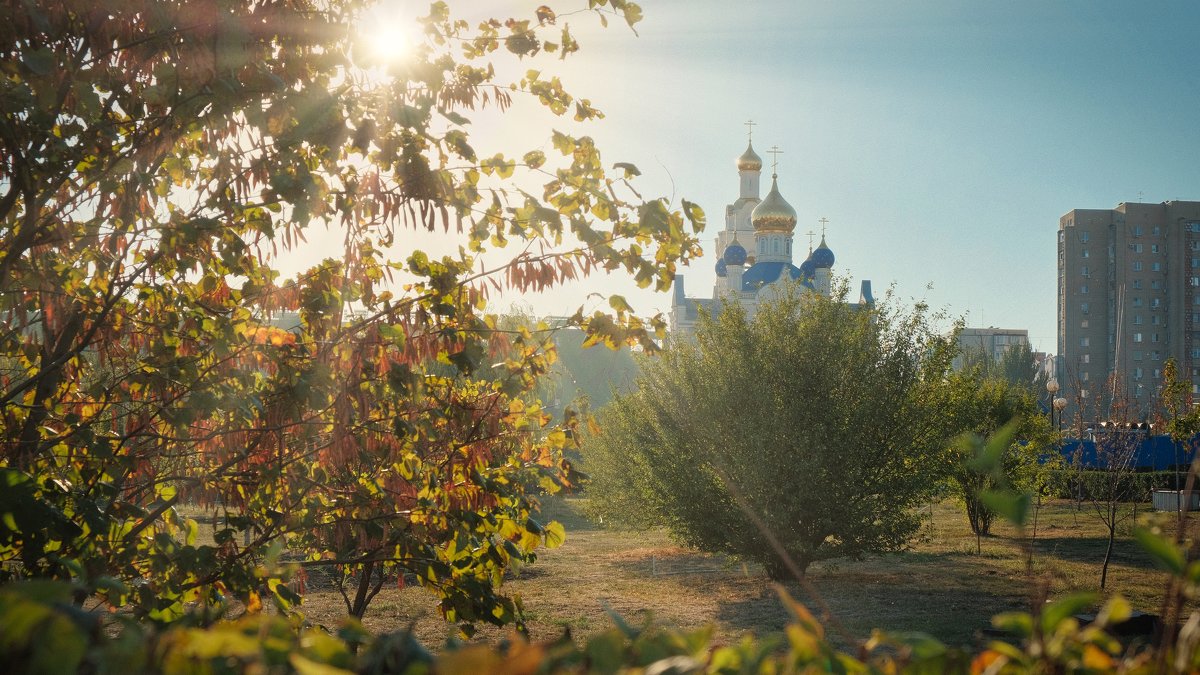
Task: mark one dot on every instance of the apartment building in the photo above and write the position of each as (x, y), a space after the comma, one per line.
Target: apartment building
(1128, 299)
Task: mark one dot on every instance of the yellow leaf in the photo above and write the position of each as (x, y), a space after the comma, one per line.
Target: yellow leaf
(254, 604)
(306, 666)
(1095, 659)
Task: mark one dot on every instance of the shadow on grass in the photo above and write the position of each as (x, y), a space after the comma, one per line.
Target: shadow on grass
(568, 511)
(893, 594)
(1091, 550)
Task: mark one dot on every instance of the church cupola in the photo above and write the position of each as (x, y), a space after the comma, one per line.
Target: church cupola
(773, 214)
(749, 161)
(822, 256)
(735, 254)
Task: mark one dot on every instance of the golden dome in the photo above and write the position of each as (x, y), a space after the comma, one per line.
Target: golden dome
(773, 214)
(749, 161)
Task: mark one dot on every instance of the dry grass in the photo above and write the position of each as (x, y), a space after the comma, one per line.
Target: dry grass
(941, 586)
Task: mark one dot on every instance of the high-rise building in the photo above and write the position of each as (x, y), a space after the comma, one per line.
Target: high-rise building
(1128, 300)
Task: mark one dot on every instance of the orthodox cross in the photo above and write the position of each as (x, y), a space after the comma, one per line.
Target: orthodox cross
(810, 234)
(750, 124)
(823, 221)
(775, 152)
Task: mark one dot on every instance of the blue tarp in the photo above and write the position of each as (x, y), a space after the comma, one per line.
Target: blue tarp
(1153, 452)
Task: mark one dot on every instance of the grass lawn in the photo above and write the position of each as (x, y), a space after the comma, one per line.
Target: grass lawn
(941, 586)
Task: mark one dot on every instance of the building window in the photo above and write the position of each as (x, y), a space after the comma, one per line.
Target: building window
(1137, 355)
(1156, 231)
(1193, 227)
(1137, 373)
(1137, 265)
(1137, 337)
(1156, 320)
(1137, 248)
(1086, 342)
(1137, 231)
(1195, 245)
(1083, 253)
(1154, 247)
(1137, 284)
(1157, 285)
(1083, 324)
(1084, 270)
(1157, 267)
(1083, 288)
(1157, 373)
(1137, 302)
(1196, 352)
(1137, 319)
(1154, 337)
(1083, 376)
(1086, 358)
(1083, 236)
(1083, 306)
(1194, 281)
(1155, 356)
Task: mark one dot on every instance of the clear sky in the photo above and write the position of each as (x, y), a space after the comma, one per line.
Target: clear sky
(942, 139)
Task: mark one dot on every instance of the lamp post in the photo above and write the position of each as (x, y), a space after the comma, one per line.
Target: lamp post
(1057, 404)
(1052, 390)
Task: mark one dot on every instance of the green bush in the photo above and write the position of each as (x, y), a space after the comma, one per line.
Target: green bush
(1090, 484)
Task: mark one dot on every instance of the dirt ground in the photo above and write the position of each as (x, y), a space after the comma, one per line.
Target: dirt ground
(942, 586)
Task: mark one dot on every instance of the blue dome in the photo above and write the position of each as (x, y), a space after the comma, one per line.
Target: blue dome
(822, 257)
(808, 268)
(721, 271)
(762, 273)
(735, 254)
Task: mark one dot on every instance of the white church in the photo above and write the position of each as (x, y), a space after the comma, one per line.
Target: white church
(755, 253)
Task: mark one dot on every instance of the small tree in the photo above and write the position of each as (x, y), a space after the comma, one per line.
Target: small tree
(971, 402)
(1117, 441)
(810, 413)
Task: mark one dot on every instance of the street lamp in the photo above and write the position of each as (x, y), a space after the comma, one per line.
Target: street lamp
(1052, 389)
(1059, 404)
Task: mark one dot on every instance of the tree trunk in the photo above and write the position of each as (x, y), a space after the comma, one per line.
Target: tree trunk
(362, 597)
(1112, 533)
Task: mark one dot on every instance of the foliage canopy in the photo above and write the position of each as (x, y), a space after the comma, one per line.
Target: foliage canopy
(158, 161)
(811, 415)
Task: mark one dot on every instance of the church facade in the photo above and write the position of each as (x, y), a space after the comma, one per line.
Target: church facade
(755, 253)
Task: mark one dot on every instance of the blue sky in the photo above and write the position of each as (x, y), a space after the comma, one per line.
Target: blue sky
(941, 139)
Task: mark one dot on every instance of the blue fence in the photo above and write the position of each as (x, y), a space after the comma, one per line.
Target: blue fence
(1154, 453)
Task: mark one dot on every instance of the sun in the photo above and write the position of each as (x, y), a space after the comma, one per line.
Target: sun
(386, 32)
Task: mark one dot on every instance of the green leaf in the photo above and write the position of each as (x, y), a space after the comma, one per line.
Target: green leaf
(1012, 506)
(1165, 553)
(1056, 612)
(1017, 623)
(40, 61)
(555, 534)
(1115, 611)
(630, 169)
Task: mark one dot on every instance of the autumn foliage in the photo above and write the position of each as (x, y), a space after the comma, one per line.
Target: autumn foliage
(159, 161)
